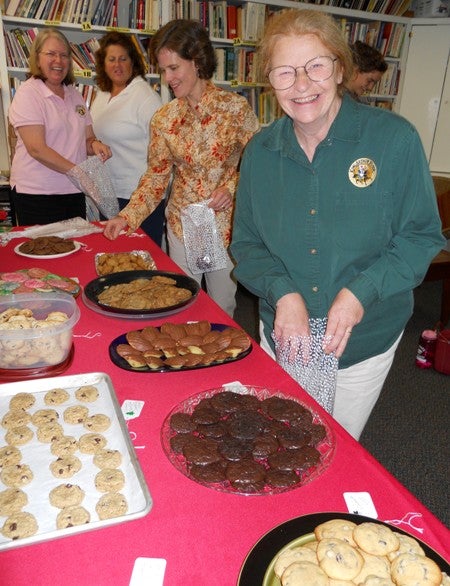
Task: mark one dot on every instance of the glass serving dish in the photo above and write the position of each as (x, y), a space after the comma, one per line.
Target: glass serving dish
(324, 446)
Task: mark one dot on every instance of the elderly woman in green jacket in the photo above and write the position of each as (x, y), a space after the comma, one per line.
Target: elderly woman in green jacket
(336, 215)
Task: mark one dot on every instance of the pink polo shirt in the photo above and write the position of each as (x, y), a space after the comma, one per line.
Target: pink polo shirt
(65, 124)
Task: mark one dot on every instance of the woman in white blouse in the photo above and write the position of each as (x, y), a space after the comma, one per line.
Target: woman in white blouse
(121, 112)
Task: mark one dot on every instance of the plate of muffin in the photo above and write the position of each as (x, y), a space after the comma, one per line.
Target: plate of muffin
(247, 440)
(333, 547)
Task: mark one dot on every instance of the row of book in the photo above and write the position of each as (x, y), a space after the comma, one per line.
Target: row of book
(145, 14)
(75, 11)
(392, 7)
(18, 43)
(224, 20)
(387, 37)
(238, 64)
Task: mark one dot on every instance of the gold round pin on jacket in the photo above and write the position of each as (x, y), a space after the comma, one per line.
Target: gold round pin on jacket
(362, 172)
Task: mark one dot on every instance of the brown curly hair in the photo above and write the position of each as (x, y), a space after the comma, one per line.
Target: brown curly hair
(116, 38)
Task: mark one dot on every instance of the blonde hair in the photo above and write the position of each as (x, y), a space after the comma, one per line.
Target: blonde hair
(297, 23)
(36, 48)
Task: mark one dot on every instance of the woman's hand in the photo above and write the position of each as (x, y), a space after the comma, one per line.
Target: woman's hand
(221, 199)
(345, 312)
(291, 325)
(113, 227)
(291, 317)
(101, 150)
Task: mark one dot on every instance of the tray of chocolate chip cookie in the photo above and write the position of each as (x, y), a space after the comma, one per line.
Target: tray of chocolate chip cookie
(67, 464)
(247, 440)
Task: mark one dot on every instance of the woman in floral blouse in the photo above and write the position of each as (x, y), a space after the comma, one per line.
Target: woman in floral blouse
(199, 138)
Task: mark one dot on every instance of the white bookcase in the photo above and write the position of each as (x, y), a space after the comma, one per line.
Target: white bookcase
(355, 22)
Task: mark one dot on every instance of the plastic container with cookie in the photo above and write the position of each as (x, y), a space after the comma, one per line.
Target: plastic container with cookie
(36, 334)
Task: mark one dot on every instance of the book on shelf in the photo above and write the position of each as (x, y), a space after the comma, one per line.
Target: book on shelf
(142, 50)
(395, 42)
(43, 9)
(88, 91)
(31, 9)
(23, 8)
(230, 64)
(220, 71)
(231, 21)
(12, 7)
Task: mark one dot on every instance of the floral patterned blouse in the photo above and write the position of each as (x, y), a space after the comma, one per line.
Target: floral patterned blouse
(202, 147)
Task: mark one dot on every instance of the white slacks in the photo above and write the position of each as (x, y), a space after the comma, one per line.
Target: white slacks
(358, 387)
(220, 285)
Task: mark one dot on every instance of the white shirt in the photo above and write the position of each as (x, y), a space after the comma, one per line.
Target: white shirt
(123, 123)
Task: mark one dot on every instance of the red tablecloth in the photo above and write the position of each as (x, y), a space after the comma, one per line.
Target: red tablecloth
(203, 534)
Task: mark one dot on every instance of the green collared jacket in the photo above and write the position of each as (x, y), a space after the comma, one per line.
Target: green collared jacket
(362, 215)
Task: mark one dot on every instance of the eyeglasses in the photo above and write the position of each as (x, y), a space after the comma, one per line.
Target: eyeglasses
(54, 55)
(317, 69)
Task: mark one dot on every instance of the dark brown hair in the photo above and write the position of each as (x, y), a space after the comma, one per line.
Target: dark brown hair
(190, 40)
(367, 59)
(117, 38)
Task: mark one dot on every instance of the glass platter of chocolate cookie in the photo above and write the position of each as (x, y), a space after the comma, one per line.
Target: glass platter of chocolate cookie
(174, 347)
(247, 440)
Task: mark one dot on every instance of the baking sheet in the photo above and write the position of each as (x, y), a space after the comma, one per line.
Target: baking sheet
(38, 456)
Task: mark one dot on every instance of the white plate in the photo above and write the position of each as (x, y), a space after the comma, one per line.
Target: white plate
(48, 256)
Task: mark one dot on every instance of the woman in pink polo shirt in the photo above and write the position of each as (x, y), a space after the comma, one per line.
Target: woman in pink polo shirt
(54, 133)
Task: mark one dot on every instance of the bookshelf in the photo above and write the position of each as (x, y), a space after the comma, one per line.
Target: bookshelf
(235, 27)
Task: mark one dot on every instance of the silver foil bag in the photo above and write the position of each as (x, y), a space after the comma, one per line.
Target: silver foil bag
(303, 358)
(92, 178)
(205, 251)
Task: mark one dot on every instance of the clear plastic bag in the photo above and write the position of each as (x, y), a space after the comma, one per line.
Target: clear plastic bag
(92, 178)
(64, 229)
(205, 251)
(303, 358)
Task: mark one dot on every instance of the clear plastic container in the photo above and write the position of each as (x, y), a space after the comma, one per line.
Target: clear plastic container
(38, 336)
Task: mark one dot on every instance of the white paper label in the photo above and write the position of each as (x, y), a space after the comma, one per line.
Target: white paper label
(148, 571)
(132, 409)
(360, 503)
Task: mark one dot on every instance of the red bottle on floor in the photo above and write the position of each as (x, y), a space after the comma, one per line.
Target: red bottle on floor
(426, 349)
